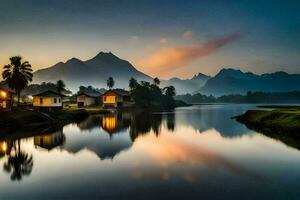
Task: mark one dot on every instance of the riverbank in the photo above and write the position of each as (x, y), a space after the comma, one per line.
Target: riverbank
(30, 120)
(283, 121)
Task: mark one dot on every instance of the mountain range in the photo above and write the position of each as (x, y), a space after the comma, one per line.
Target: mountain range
(184, 86)
(93, 72)
(232, 81)
(96, 70)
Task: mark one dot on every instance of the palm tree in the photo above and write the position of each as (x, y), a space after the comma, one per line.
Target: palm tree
(17, 74)
(20, 163)
(156, 81)
(110, 82)
(133, 83)
(60, 85)
(170, 91)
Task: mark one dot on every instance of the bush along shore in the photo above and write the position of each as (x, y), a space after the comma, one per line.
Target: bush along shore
(283, 121)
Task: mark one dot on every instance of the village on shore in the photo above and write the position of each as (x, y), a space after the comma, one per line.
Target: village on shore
(17, 75)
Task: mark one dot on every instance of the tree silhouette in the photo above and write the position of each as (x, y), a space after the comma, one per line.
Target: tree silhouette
(18, 164)
(61, 86)
(133, 83)
(156, 81)
(170, 91)
(17, 74)
(110, 82)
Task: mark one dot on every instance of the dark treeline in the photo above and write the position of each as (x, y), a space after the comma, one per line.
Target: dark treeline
(150, 95)
(59, 87)
(250, 97)
(91, 89)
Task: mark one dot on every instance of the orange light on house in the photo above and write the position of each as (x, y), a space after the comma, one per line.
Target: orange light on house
(3, 94)
(109, 99)
(109, 123)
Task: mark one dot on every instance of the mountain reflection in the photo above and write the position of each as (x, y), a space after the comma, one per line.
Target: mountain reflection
(218, 117)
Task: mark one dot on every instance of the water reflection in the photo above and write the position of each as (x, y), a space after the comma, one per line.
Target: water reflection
(108, 136)
(19, 163)
(50, 141)
(218, 117)
(188, 153)
(117, 122)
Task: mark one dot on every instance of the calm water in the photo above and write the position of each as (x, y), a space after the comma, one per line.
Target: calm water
(197, 152)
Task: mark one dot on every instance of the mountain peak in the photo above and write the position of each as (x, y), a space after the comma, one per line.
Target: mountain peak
(235, 73)
(200, 76)
(74, 60)
(229, 71)
(105, 55)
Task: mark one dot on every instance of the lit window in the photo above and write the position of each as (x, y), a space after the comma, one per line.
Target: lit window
(109, 99)
(3, 94)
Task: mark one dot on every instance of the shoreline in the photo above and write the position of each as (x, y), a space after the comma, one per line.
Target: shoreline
(280, 121)
(21, 121)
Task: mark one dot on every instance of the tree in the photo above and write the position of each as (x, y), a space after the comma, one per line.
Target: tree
(110, 82)
(60, 86)
(145, 84)
(156, 81)
(133, 83)
(170, 91)
(17, 74)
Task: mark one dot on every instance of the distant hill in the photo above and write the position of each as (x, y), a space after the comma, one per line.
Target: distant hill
(251, 97)
(93, 72)
(231, 81)
(184, 86)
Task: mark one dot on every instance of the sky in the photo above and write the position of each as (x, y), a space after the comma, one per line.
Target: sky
(164, 38)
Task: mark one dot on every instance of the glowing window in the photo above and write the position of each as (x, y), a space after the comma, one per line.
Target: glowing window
(3, 94)
(109, 99)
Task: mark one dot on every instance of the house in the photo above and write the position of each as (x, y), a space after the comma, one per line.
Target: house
(116, 98)
(88, 98)
(5, 98)
(48, 101)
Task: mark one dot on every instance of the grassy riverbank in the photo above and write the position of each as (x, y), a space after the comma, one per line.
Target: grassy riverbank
(283, 120)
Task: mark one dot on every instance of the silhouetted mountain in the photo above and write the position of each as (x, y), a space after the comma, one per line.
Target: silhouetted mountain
(184, 86)
(231, 81)
(91, 72)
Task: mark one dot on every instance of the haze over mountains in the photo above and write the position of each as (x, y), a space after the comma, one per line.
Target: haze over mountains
(184, 86)
(95, 72)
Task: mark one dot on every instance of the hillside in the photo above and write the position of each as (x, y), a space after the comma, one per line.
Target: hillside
(184, 86)
(93, 72)
(231, 81)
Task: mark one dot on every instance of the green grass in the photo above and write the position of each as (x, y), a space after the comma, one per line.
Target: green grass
(284, 120)
(282, 124)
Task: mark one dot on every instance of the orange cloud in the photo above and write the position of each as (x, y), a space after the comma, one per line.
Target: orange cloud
(188, 34)
(166, 59)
